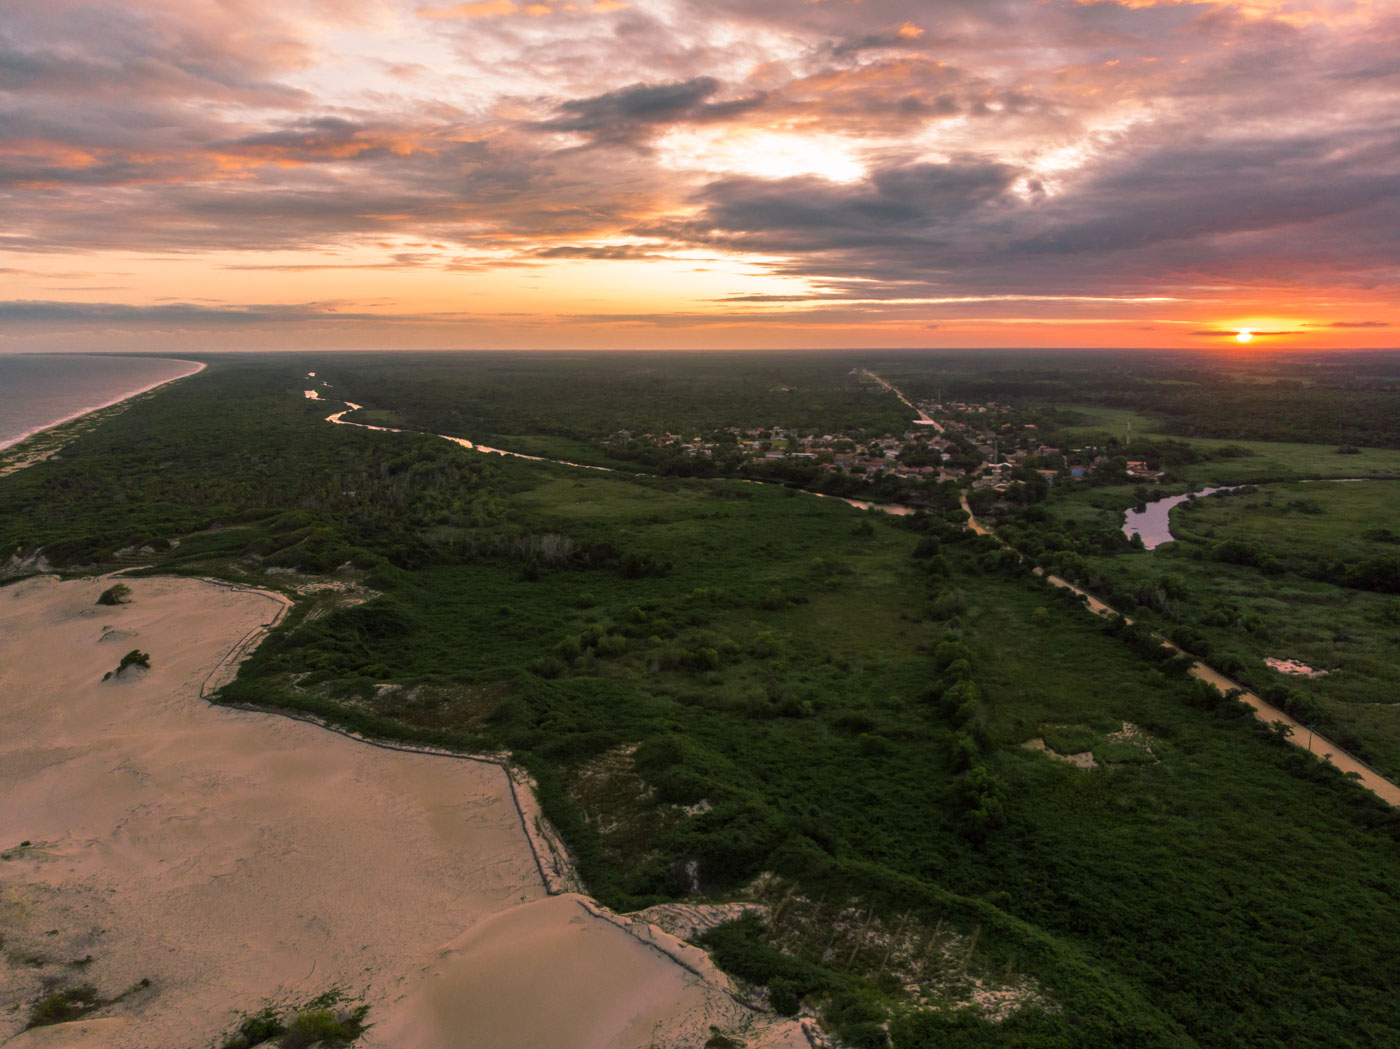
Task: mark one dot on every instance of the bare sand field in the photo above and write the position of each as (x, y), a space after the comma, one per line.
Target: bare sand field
(193, 862)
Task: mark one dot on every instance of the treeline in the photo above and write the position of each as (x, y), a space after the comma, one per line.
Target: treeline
(1345, 399)
(588, 396)
(233, 461)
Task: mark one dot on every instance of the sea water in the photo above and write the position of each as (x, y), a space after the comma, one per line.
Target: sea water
(40, 390)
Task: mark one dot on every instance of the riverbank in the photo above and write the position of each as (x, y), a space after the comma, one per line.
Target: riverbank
(44, 442)
(195, 861)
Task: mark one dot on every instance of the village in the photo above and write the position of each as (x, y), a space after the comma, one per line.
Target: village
(986, 445)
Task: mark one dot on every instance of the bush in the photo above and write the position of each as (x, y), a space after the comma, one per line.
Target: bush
(134, 658)
(115, 595)
(318, 1025)
(1071, 739)
(63, 1006)
(255, 1030)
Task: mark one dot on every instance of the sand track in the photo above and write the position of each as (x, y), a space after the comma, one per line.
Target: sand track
(230, 856)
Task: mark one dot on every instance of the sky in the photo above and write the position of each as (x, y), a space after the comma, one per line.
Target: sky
(320, 174)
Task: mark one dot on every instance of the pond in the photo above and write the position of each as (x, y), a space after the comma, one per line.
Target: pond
(1153, 521)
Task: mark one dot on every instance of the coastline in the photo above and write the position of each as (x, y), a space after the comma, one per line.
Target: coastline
(15, 455)
(199, 366)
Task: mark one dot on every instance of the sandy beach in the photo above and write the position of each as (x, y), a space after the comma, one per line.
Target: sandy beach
(194, 862)
(44, 442)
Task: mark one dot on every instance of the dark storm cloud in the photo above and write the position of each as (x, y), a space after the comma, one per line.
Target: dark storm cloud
(632, 112)
(900, 36)
(315, 140)
(594, 251)
(1211, 190)
(1299, 207)
(899, 205)
(86, 50)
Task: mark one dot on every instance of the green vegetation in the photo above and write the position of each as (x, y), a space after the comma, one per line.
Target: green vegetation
(134, 658)
(1326, 399)
(119, 594)
(497, 398)
(736, 690)
(66, 1004)
(71, 1003)
(1304, 572)
(325, 1021)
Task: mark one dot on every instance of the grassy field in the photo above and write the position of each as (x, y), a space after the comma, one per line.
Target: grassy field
(1271, 573)
(1261, 461)
(1299, 523)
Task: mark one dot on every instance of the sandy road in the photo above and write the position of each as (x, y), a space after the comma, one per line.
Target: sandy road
(1269, 714)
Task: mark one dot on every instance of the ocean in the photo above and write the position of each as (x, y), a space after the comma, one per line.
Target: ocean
(40, 390)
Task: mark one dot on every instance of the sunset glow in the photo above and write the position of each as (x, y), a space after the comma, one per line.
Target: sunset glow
(670, 173)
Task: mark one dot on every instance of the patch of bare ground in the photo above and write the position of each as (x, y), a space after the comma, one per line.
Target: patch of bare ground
(932, 966)
(23, 564)
(1084, 760)
(1127, 745)
(689, 921)
(1133, 736)
(1293, 667)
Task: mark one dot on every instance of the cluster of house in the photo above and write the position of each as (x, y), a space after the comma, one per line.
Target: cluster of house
(1007, 443)
(952, 433)
(831, 452)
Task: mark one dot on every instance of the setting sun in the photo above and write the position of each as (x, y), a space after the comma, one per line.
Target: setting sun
(1244, 335)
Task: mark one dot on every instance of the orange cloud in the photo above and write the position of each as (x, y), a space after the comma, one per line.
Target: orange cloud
(500, 8)
(479, 9)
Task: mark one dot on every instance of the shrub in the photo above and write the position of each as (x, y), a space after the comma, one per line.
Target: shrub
(255, 1030)
(318, 1025)
(65, 1005)
(115, 595)
(134, 658)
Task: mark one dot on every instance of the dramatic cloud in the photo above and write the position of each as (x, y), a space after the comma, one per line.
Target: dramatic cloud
(1130, 169)
(621, 116)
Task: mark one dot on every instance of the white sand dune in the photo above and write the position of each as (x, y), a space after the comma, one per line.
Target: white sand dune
(604, 989)
(228, 857)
